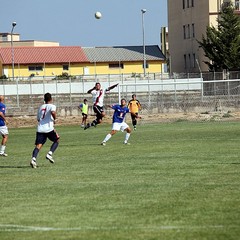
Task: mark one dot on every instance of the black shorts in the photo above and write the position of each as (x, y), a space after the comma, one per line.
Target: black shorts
(98, 110)
(41, 138)
(134, 116)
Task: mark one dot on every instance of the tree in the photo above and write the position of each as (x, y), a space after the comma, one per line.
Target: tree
(222, 44)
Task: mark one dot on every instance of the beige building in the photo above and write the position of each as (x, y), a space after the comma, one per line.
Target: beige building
(6, 39)
(187, 22)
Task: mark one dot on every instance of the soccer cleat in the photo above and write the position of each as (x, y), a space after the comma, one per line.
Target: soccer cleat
(87, 126)
(103, 143)
(126, 143)
(33, 163)
(82, 125)
(50, 158)
(3, 154)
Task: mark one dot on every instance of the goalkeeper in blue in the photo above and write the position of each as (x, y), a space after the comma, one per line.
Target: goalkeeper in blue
(118, 122)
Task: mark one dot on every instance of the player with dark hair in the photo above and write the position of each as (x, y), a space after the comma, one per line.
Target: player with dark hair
(134, 106)
(118, 123)
(98, 96)
(84, 108)
(45, 130)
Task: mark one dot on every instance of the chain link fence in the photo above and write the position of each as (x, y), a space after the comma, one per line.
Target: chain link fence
(199, 94)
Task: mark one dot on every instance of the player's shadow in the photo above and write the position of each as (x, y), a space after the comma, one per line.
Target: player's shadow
(14, 166)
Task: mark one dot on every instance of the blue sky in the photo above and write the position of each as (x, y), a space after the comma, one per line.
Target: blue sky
(72, 22)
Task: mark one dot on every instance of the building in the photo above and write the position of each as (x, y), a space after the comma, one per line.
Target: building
(165, 47)
(52, 61)
(6, 38)
(124, 60)
(187, 22)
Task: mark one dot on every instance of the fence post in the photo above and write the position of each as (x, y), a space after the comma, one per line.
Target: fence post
(202, 86)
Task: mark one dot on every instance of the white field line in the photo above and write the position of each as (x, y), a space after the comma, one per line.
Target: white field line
(21, 228)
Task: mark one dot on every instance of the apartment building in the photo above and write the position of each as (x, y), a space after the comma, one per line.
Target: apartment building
(187, 22)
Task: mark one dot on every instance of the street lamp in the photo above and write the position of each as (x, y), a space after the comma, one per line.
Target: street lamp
(12, 50)
(13, 25)
(144, 48)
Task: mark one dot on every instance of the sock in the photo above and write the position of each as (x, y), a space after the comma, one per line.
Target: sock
(2, 148)
(127, 137)
(35, 153)
(107, 137)
(53, 148)
(94, 123)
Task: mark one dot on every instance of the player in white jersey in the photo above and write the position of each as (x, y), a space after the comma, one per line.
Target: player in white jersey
(98, 98)
(45, 130)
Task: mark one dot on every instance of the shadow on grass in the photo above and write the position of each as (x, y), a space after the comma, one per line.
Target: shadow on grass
(14, 167)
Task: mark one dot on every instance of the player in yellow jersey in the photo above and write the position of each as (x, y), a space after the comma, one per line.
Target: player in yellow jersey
(84, 108)
(134, 106)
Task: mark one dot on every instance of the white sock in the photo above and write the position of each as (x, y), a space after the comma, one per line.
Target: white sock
(3, 147)
(107, 137)
(127, 137)
(50, 153)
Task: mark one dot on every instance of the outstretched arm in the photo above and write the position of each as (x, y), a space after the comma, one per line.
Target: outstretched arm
(111, 87)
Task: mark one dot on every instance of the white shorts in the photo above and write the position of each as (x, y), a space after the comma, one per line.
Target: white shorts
(119, 126)
(3, 130)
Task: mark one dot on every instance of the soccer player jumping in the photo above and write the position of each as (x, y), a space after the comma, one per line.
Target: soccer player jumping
(98, 97)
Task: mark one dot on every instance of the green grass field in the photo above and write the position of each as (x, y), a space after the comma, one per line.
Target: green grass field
(175, 181)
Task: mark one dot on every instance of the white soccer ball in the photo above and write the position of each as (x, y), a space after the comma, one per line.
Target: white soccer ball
(98, 15)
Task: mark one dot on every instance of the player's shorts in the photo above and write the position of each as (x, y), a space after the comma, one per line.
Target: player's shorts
(119, 126)
(134, 115)
(3, 130)
(98, 110)
(41, 138)
(84, 115)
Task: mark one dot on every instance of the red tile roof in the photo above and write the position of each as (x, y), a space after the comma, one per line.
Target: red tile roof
(28, 55)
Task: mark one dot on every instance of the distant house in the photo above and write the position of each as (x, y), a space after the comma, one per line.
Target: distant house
(74, 60)
(124, 59)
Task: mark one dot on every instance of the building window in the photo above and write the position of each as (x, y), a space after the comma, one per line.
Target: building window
(194, 60)
(193, 30)
(185, 61)
(192, 3)
(188, 5)
(145, 65)
(184, 32)
(189, 60)
(237, 5)
(65, 67)
(183, 3)
(188, 31)
(116, 65)
(35, 68)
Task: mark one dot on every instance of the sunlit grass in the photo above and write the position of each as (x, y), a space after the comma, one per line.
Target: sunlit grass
(175, 181)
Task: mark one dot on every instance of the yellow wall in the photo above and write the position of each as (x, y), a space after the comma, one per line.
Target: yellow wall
(129, 67)
(79, 69)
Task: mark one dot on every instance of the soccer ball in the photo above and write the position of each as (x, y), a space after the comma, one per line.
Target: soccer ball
(98, 15)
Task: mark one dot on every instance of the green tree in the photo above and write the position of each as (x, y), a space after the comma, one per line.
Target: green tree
(222, 44)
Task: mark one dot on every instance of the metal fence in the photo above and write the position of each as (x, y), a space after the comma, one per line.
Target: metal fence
(157, 95)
